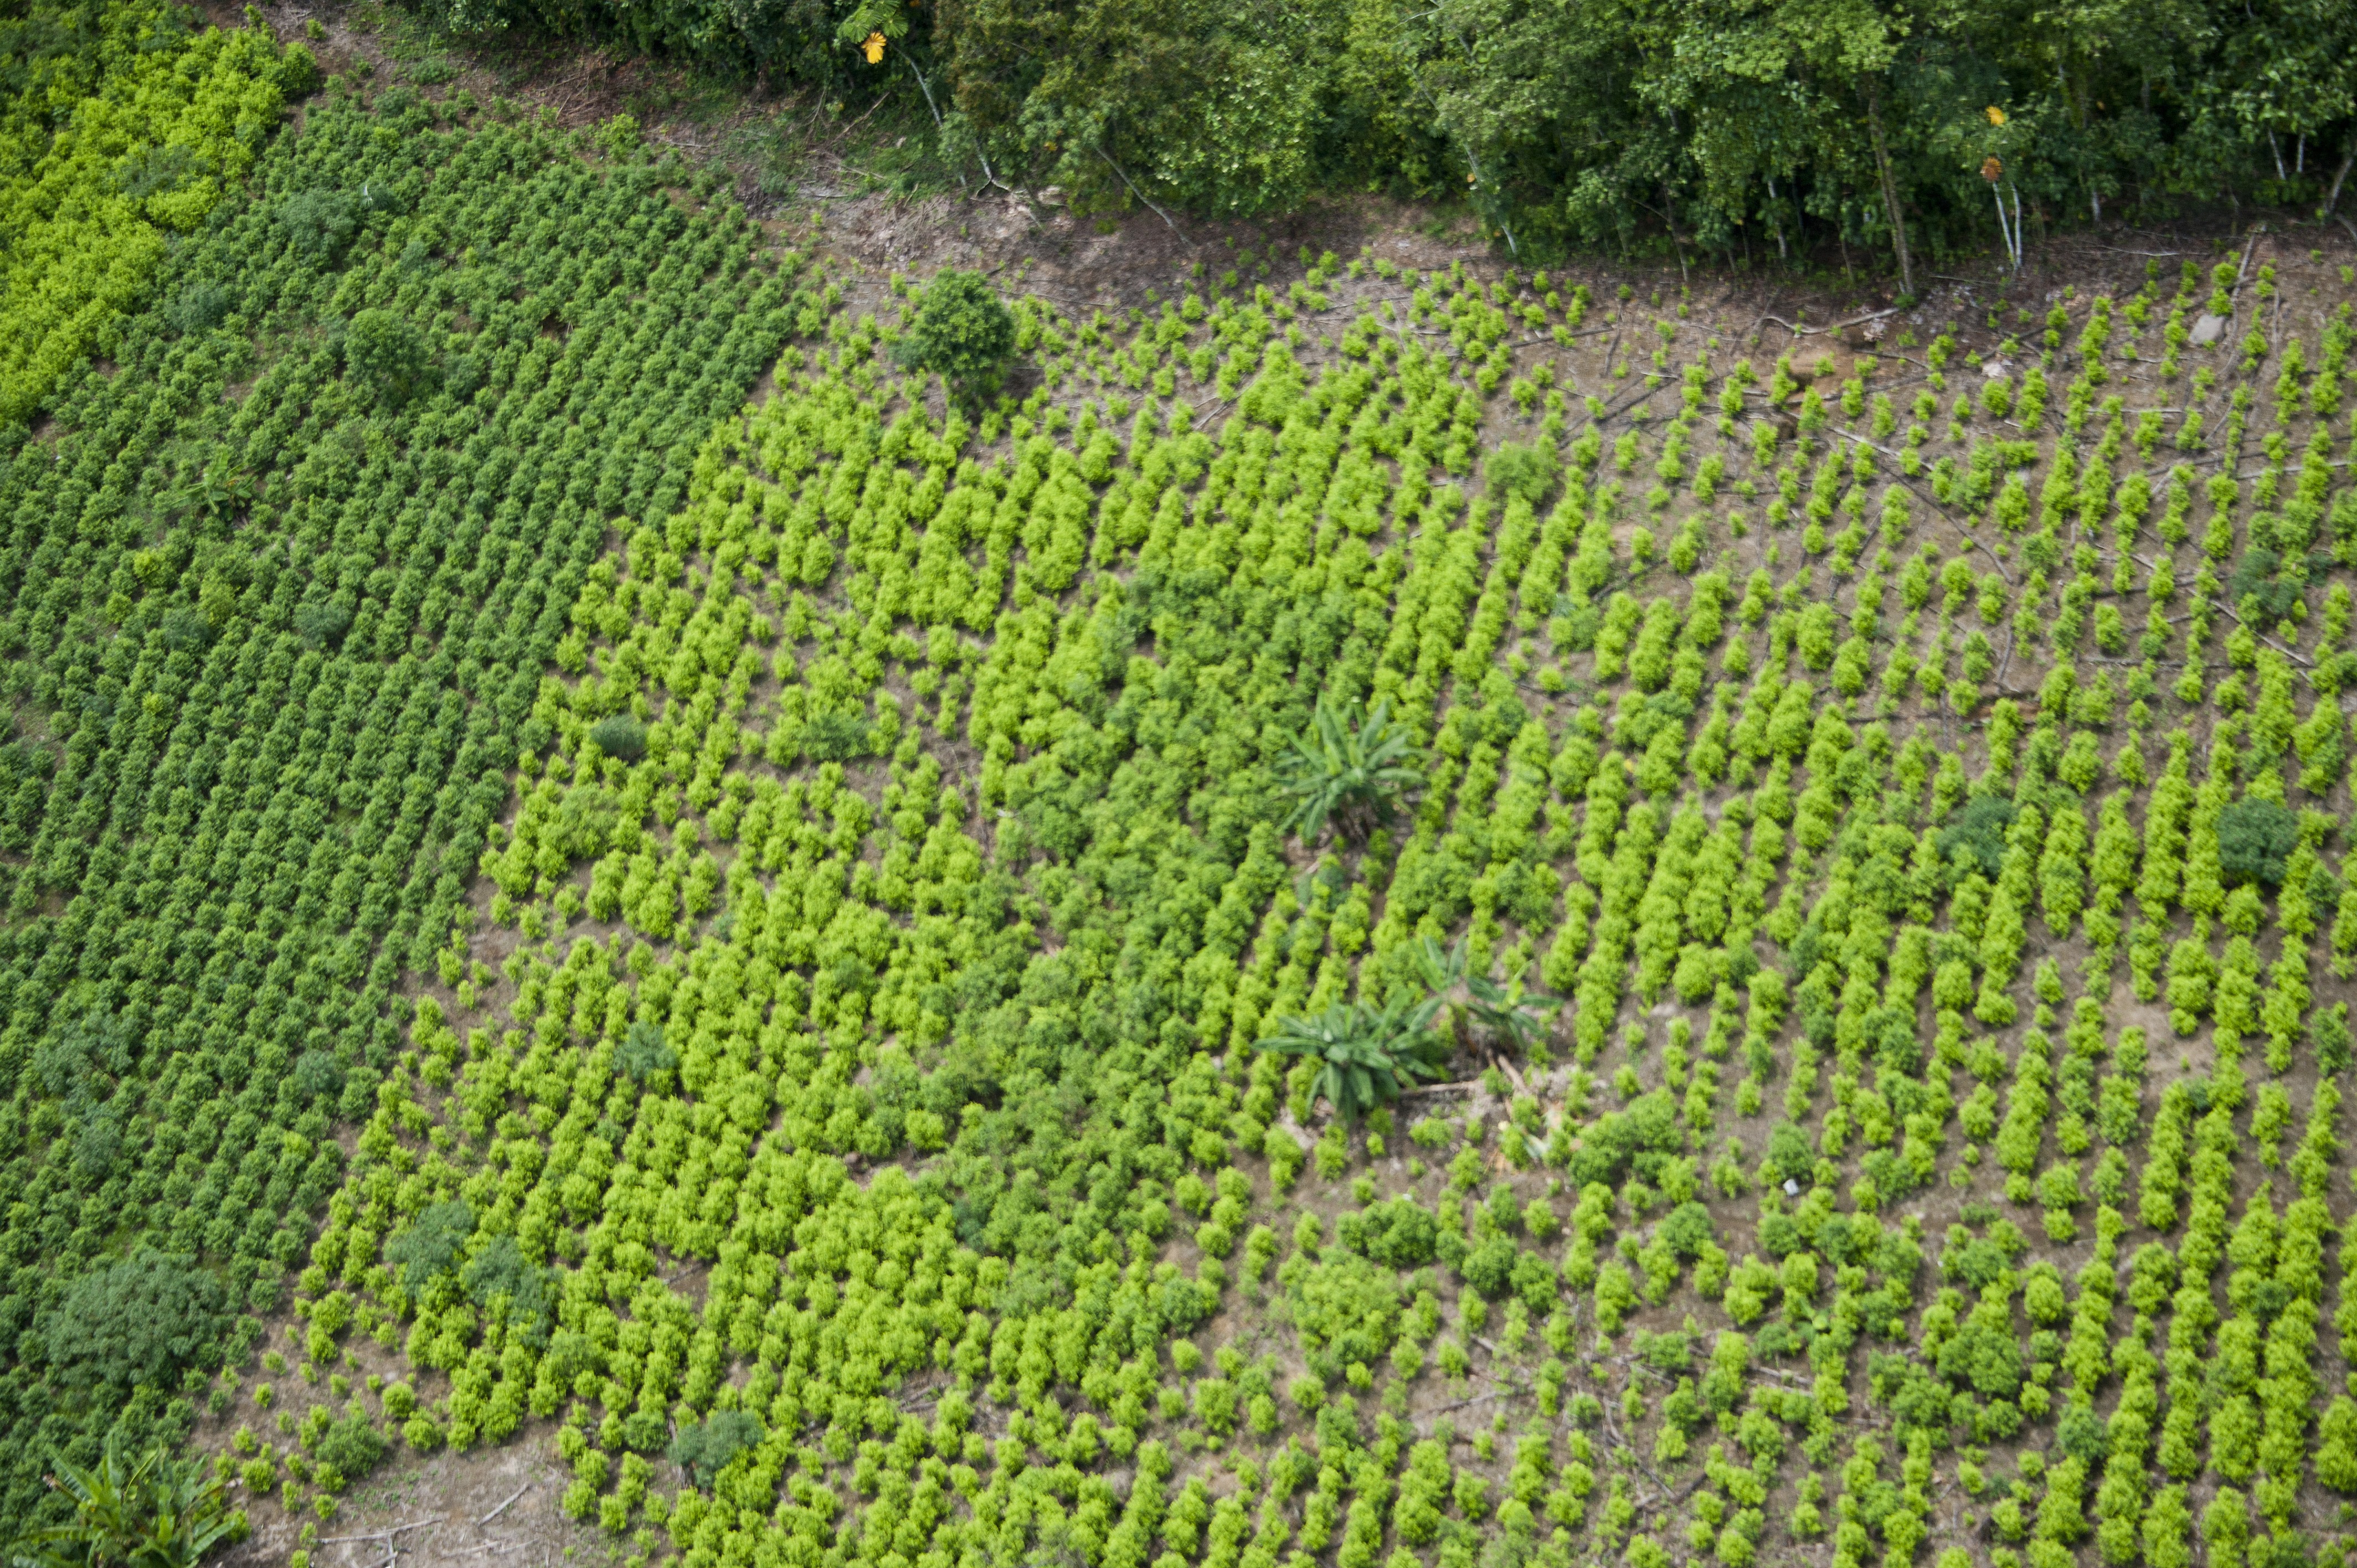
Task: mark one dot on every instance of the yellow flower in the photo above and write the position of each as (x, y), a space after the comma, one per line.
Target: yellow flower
(1991, 168)
(1995, 115)
(875, 48)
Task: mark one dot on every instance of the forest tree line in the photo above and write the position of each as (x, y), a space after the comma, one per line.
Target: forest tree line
(1757, 128)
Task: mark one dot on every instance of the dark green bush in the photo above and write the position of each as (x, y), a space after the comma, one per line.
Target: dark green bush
(1984, 1358)
(385, 354)
(704, 1448)
(199, 307)
(2332, 1038)
(317, 1076)
(1687, 1230)
(621, 735)
(501, 1276)
(97, 1144)
(1534, 1281)
(2255, 578)
(835, 737)
(322, 624)
(1528, 471)
(74, 1064)
(351, 1445)
(186, 630)
(1489, 1266)
(1401, 1233)
(141, 1322)
(432, 1245)
(1790, 1158)
(1974, 840)
(961, 332)
(644, 1052)
(2082, 1433)
(318, 225)
(2256, 838)
(1641, 1135)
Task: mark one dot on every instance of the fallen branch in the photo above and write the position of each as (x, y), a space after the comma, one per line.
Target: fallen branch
(505, 1506)
(1934, 502)
(1476, 1399)
(838, 136)
(1141, 197)
(380, 1535)
(2227, 610)
(1618, 409)
(1836, 326)
(2258, 473)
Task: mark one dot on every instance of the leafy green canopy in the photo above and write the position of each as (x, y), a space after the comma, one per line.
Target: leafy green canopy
(282, 633)
(1754, 133)
(1506, 1013)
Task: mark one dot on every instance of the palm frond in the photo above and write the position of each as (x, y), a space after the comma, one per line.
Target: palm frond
(1368, 1055)
(1346, 769)
(156, 1512)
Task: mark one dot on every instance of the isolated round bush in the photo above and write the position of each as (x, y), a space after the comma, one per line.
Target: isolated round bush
(351, 1448)
(960, 332)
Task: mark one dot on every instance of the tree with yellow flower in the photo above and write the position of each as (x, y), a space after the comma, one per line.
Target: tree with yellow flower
(1994, 142)
(873, 26)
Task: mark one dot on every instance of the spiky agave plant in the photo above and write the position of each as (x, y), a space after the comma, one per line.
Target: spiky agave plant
(1368, 1055)
(152, 1512)
(1519, 1017)
(1348, 769)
